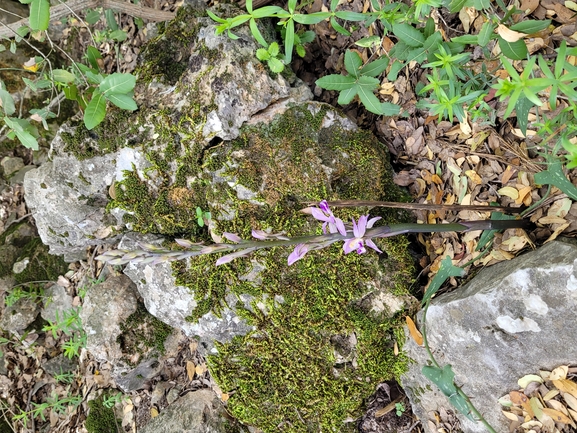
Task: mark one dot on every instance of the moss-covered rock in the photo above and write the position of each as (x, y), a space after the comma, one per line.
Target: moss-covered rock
(101, 419)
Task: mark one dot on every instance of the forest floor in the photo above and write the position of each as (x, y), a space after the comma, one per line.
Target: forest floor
(439, 162)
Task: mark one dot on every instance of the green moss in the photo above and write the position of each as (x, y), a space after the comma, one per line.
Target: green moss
(100, 418)
(283, 374)
(142, 332)
(42, 265)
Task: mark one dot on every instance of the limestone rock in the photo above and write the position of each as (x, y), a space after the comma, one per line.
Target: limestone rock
(173, 303)
(195, 412)
(57, 301)
(189, 94)
(106, 306)
(19, 315)
(512, 319)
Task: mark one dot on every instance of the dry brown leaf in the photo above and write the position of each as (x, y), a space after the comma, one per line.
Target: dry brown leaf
(415, 334)
(566, 385)
(200, 369)
(557, 416)
(224, 397)
(550, 395)
(508, 34)
(190, 369)
(557, 232)
(571, 401)
(510, 415)
(559, 373)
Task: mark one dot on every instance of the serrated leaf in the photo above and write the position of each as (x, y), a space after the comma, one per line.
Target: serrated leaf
(122, 101)
(273, 49)
(369, 100)
(262, 54)
(513, 50)
(39, 15)
(400, 51)
(408, 34)
(347, 95)
(375, 68)
(95, 110)
(275, 65)
(390, 109)
(336, 82)
(486, 33)
(554, 176)
(118, 83)
(531, 26)
(352, 63)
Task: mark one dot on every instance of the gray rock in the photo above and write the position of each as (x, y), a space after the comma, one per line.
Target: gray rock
(59, 365)
(57, 301)
(172, 304)
(138, 377)
(106, 306)
(512, 319)
(195, 412)
(19, 315)
(19, 176)
(11, 165)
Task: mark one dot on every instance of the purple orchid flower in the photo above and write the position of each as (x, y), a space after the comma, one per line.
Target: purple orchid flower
(324, 214)
(298, 253)
(358, 242)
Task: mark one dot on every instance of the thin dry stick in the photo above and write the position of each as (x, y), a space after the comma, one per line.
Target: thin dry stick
(63, 10)
(422, 206)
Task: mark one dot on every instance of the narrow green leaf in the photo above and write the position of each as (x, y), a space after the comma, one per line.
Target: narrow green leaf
(429, 27)
(27, 139)
(350, 16)
(340, 29)
(486, 33)
(267, 11)
(256, 33)
(466, 39)
(531, 26)
(347, 95)
(215, 18)
(433, 41)
(309, 19)
(110, 19)
(408, 34)
(336, 82)
(292, 4)
(487, 235)
(289, 40)
(95, 110)
(248, 6)
(513, 50)
(554, 176)
(400, 51)
(118, 83)
(39, 14)
(375, 68)
(122, 101)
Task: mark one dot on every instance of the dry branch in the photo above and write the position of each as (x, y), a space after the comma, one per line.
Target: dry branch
(75, 6)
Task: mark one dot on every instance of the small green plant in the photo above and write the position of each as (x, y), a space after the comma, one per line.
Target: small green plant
(33, 291)
(54, 403)
(110, 401)
(360, 81)
(400, 408)
(66, 377)
(69, 324)
(202, 218)
(270, 55)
